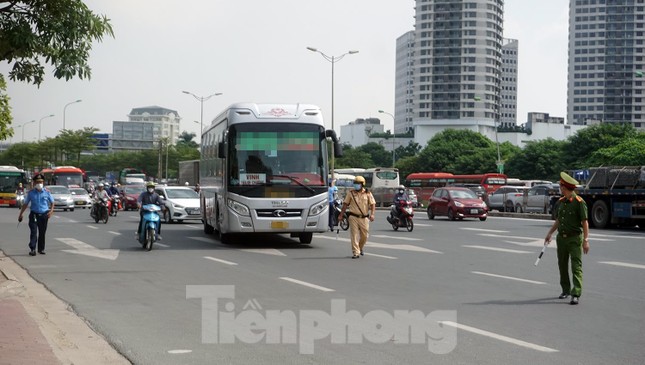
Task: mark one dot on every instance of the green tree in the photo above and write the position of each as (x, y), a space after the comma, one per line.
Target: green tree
(628, 152)
(460, 152)
(538, 160)
(379, 156)
(186, 140)
(586, 141)
(406, 151)
(75, 142)
(34, 33)
(5, 111)
(352, 157)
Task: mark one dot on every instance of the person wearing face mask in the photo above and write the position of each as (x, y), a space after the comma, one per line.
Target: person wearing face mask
(400, 196)
(41, 208)
(149, 197)
(362, 213)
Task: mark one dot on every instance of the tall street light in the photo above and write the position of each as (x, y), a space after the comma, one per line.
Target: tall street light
(23, 128)
(40, 124)
(332, 60)
(64, 109)
(201, 100)
(393, 136)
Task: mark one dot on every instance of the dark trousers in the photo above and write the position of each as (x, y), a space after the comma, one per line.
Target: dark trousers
(332, 216)
(37, 228)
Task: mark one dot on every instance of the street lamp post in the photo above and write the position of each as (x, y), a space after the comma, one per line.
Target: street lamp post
(332, 60)
(23, 128)
(64, 109)
(40, 124)
(201, 99)
(393, 136)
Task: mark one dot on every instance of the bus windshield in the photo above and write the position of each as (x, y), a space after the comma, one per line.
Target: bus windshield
(9, 181)
(274, 154)
(68, 178)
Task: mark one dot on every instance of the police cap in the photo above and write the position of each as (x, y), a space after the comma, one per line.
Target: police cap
(567, 181)
(38, 177)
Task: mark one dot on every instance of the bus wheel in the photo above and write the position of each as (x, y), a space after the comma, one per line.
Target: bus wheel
(306, 237)
(600, 214)
(208, 229)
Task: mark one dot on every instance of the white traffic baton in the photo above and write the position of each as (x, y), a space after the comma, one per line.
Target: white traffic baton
(540, 256)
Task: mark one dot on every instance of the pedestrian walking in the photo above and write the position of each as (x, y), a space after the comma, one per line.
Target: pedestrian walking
(572, 239)
(361, 214)
(41, 207)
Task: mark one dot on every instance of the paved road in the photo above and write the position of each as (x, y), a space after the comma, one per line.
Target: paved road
(468, 290)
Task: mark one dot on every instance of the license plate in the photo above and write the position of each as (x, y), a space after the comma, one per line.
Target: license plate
(193, 212)
(279, 225)
(474, 211)
(80, 203)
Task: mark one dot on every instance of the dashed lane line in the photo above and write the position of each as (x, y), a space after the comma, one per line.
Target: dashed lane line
(115, 233)
(482, 230)
(220, 260)
(623, 264)
(304, 283)
(499, 249)
(508, 278)
(498, 336)
(93, 227)
(381, 256)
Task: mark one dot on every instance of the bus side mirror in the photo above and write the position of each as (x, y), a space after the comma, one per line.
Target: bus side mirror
(221, 150)
(338, 149)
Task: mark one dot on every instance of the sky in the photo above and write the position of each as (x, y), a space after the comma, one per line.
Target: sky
(256, 51)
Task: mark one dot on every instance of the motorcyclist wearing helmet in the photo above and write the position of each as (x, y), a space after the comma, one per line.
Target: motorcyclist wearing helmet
(363, 207)
(400, 196)
(113, 190)
(149, 197)
(98, 195)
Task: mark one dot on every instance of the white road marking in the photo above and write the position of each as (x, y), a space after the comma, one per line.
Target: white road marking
(220, 260)
(115, 233)
(382, 256)
(508, 277)
(498, 337)
(266, 251)
(191, 226)
(82, 248)
(495, 249)
(178, 352)
(422, 225)
(594, 235)
(623, 264)
(203, 239)
(162, 245)
(310, 285)
(93, 227)
(482, 230)
(385, 245)
(396, 237)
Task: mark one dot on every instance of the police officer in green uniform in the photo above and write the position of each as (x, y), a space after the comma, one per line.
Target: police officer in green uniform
(573, 237)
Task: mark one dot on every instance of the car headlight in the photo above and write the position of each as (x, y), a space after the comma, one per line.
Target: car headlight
(70, 200)
(459, 204)
(238, 207)
(177, 206)
(318, 207)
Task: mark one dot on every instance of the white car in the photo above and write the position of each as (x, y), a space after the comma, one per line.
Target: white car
(81, 198)
(182, 203)
(507, 198)
(62, 197)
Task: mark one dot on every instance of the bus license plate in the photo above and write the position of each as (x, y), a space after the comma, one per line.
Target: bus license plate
(279, 225)
(474, 211)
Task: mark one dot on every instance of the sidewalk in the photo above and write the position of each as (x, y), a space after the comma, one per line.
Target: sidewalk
(38, 328)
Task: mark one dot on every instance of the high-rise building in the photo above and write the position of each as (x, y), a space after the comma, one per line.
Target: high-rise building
(606, 49)
(144, 128)
(457, 66)
(404, 84)
(508, 106)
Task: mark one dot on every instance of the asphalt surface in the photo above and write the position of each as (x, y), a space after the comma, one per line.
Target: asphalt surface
(459, 292)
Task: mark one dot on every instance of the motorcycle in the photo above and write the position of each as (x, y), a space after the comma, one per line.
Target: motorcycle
(404, 216)
(150, 221)
(100, 211)
(115, 205)
(20, 199)
(344, 224)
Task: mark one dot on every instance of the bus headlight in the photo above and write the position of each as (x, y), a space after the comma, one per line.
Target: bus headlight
(318, 208)
(238, 207)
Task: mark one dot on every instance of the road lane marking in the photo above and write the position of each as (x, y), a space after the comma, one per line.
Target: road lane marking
(266, 251)
(180, 351)
(310, 285)
(191, 226)
(220, 260)
(422, 225)
(382, 256)
(623, 264)
(508, 277)
(115, 233)
(82, 248)
(483, 230)
(396, 237)
(594, 235)
(498, 337)
(495, 249)
(93, 227)
(203, 239)
(162, 245)
(385, 245)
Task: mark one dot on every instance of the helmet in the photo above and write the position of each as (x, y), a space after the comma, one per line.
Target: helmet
(186, 183)
(150, 184)
(101, 185)
(359, 179)
(401, 187)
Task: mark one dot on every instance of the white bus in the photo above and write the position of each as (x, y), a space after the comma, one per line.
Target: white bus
(381, 181)
(264, 169)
